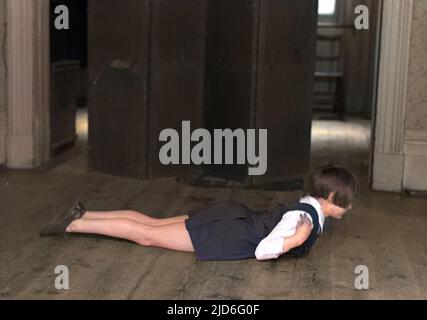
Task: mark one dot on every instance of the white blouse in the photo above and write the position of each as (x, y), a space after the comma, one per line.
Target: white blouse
(271, 247)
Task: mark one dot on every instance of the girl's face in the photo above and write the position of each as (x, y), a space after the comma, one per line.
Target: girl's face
(337, 212)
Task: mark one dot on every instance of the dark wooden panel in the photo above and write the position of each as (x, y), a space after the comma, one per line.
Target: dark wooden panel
(230, 71)
(285, 85)
(118, 70)
(259, 74)
(177, 72)
(147, 71)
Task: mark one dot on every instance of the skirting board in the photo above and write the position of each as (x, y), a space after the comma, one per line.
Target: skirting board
(388, 170)
(415, 167)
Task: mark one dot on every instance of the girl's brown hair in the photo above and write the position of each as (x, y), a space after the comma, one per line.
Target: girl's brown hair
(333, 178)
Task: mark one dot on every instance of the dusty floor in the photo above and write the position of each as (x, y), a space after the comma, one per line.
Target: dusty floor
(385, 232)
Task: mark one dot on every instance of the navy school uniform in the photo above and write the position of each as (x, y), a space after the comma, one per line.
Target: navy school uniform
(228, 230)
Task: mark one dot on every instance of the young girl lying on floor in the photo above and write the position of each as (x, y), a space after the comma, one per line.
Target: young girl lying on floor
(226, 230)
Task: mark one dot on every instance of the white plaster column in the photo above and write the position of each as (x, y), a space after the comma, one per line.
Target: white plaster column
(388, 159)
(27, 83)
(415, 143)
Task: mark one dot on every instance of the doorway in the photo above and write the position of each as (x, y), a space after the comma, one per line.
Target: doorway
(68, 82)
(345, 86)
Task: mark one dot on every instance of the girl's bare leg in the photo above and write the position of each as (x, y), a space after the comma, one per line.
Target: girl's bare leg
(133, 215)
(170, 236)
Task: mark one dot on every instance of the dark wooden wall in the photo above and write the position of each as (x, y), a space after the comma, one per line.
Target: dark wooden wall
(218, 63)
(176, 73)
(118, 77)
(260, 74)
(286, 63)
(231, 56)
(146, 74)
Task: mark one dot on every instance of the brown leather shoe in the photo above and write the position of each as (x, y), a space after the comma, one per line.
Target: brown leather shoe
(58, 226)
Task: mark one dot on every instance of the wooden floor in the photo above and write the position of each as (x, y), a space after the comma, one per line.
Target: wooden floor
(385, 232)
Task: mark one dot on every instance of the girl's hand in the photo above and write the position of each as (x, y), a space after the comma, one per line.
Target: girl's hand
(303, 228)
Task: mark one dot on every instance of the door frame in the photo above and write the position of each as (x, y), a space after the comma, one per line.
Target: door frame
(387, 162)
(28, 64)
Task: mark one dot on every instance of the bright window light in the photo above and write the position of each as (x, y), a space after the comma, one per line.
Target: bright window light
(327, 7)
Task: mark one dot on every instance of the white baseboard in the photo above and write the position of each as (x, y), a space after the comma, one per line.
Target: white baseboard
(387, 173)
(415, 167)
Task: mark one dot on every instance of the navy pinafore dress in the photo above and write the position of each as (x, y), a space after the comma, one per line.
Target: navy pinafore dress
(228, 230)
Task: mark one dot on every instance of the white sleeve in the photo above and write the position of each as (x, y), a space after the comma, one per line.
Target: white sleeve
(271, 247)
